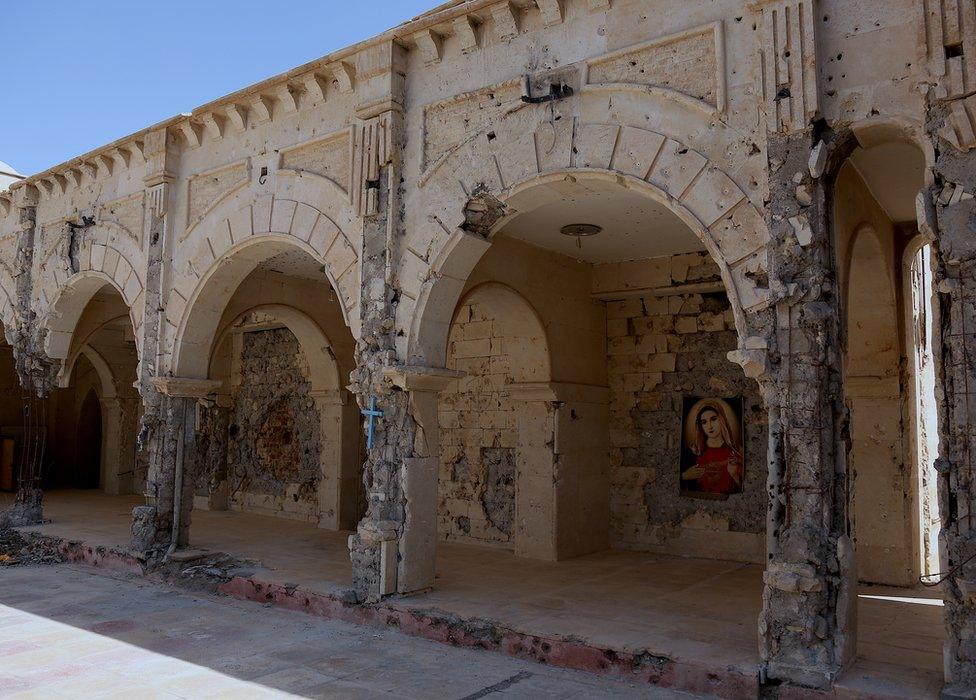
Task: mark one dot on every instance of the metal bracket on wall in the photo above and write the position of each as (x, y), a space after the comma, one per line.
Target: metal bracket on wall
(557, 91)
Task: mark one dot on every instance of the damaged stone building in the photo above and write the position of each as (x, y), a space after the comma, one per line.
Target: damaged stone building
(643, 328)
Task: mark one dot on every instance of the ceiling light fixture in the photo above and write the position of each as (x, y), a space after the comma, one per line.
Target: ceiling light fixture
(579, 231)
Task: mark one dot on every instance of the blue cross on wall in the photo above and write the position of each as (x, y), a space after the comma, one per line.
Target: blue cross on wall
(373, 415)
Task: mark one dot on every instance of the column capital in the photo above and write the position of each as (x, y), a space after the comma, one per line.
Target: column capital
(411, 378)
(186, 387)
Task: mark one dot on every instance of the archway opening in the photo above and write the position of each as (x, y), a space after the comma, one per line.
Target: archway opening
(889, 384)
(278, 448)
(88, 443)
(92, 468)
(15, 434)
(599, 425)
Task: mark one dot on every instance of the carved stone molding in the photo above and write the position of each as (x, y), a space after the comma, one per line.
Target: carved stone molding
(789, 61)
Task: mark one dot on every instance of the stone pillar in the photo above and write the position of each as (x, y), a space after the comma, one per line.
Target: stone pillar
(562, 505)
(36, 373)
(151, 523)
(536, 515)
(335, 481)
(806, 627)
(418, 475)
(379, 143)
(172, 470)
(112, 444)
(948, 214)
(807, 624)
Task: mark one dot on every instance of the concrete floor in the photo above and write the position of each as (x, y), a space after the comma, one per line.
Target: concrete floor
(69, 632)
(684, 608)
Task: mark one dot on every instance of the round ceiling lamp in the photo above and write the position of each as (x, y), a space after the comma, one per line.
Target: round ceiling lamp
(580, 231)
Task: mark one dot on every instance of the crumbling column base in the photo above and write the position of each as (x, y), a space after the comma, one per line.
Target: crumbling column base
(374, 553)
(26, 510)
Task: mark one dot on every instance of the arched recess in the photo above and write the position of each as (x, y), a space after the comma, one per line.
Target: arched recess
(511, 388)
(110, 454)
(700, 168)
(72, 299)
(296, 210)
(323, 369)
(338, 425)
(881, 507)
(107, 253)
(463, 249)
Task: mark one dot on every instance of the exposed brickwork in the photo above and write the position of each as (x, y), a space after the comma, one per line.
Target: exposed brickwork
(661, 349)
(274, 429)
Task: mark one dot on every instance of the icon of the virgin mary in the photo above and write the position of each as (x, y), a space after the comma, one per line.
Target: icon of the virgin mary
(712, 460)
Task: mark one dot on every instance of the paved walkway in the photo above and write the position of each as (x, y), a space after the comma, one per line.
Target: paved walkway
(70, 632)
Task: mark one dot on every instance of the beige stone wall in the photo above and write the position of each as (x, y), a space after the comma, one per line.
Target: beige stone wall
(883, 498)
(478, 421)
(660, 348)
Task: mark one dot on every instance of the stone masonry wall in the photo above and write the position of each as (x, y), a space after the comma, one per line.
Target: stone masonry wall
(660, 349)
(274, 430)
(477, 477)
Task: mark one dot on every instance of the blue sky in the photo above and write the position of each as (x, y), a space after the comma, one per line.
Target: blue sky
(77, 75)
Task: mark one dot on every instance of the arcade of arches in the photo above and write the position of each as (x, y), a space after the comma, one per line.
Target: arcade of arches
(662, 351)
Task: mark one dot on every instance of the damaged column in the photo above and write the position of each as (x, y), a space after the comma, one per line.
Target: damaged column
(164, 522)
(947, 214)
(806, 626)
(378, 144)
(35, 372)
(152, 522)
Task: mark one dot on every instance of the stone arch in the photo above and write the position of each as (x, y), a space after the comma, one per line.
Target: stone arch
(73, 296)
(879, 130)
(699, 168)
(106, 378)
(323, 369)
(215, 286)
(295, 210)
(463, 249)
(106, 392)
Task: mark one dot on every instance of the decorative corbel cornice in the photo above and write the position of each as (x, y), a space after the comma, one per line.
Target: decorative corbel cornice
(261, 108)
(552, 12)
(61, 181)
(214, 124)
(122, 155)
(191, 133)
(73, 176)
(345, 74)
(45, 185)
(315, 86)
(24, 194)
(105, 162)
(140, 146)
(506, 21)
(237, 115)
(287, 98)
(430, 45)
(467, 33)
(90, 169)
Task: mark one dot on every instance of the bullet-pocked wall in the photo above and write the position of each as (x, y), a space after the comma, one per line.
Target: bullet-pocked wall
(277, 439)
(666, 351)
